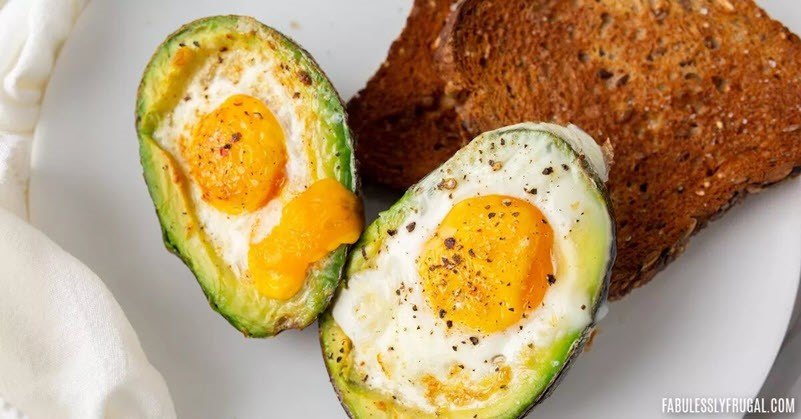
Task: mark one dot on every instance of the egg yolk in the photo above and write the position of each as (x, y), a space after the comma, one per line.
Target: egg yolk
(488, 263)
(236, 154)
(313, 224)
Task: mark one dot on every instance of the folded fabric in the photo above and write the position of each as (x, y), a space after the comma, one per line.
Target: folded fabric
(66, 348)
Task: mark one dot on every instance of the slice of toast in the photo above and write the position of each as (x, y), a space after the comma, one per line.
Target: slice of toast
(403, 112)
(701, 100)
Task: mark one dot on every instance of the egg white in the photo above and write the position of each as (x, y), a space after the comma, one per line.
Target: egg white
(376, 309)
(240, 72)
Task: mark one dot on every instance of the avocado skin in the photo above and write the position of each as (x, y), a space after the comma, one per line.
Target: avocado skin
(360, 402)
(160, 88)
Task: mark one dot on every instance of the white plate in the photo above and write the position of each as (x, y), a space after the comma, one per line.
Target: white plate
(710, 325)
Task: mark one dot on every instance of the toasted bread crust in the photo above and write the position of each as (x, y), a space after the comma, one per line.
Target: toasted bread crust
(403, 110)
(701, 100)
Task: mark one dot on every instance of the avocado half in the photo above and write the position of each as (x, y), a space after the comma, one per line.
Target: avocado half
(546, 368)
(164, 80)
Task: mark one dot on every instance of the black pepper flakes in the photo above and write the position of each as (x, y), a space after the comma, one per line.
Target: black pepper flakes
(474, 340)
(441, 313)
(392, 232)
(305, 78)
(410, 227)
(449, 184)
(236, 136)
(449, 323)
(450, 242)
(551, 279)
(547, 171)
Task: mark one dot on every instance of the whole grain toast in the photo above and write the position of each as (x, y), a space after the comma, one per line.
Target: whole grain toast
(701, 100)
(403, 112)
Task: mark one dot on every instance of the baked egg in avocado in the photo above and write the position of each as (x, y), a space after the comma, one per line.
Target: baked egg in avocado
(249, 162)
(472, 294)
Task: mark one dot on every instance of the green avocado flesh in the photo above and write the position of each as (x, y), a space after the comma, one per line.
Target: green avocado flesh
(164, 83)
(539, 369)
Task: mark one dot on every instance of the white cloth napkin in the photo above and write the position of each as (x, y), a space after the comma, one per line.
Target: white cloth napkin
(66, 348)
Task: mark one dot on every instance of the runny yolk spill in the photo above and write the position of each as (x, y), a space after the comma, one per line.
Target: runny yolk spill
(488, 263)
(313, 224)
(236, 155)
